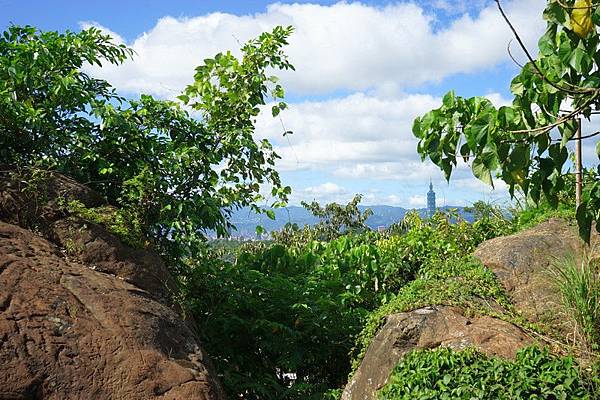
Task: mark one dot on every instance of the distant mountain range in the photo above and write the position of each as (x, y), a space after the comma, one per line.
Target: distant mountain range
(246, 221)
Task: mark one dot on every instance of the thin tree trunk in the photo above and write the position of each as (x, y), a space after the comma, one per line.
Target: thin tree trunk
(578, 164)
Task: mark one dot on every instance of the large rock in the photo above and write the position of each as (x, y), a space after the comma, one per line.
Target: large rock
(40, 206)
(34, 199)
(94, 325)
(428, 328)
(522, 264)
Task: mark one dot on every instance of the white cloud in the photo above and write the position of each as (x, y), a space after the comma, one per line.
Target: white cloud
(327, 192)
(330, 192)
(327, 188)
(405, 170)
(417, 201)
(357, 136)
(487, 192)
(498, 100)
(344, 46)
(376, 53)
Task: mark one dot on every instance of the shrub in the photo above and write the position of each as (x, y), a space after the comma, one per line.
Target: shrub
(177, 174)
(295, 310)
(446, 374)
(460, 281)
(279, 322)
(578, 283)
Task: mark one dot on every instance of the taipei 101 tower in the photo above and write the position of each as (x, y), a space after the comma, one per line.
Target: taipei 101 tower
(430, 200)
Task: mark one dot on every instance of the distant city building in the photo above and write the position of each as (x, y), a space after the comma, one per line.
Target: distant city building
(381, 229)
(430, 200)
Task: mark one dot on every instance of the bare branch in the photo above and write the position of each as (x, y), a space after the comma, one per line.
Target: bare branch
(511, 55)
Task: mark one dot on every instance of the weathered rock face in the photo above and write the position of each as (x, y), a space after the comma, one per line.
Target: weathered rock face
(521, 263)
(428, 328)
(91, 326)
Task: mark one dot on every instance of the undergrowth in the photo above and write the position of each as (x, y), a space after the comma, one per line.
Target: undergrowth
(530, 216)
(288, 315)
(462, 281)
(578, 282)
(446, 374)
(120, 222)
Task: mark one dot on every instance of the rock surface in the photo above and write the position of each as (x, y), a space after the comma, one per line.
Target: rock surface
(521, 262)
(96, 325)
(428, 328)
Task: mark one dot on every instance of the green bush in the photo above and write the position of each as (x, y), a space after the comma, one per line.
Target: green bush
(278, 311)
(461, 281)
(298, 309)
(438, 255)
(176, 174)
(446, 374)
(578, 283)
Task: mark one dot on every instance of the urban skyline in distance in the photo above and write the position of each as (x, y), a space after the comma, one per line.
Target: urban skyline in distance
(383, 217)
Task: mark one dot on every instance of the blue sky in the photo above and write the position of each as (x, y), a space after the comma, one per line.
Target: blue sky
(364, 71)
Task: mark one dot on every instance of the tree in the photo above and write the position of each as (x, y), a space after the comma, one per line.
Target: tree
(335, 220)
(175, 174)
(524, 144)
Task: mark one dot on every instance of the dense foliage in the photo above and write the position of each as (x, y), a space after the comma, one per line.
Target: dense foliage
(282, 321)
(334, 220)
(446, 374)
(520, 142)
(174, 174)
(439, 254)
(287, 319)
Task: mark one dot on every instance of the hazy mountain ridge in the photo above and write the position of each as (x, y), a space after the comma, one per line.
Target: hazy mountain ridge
(383, 215)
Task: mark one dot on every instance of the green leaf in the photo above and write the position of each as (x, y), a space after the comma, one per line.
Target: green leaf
(508, 117)
(270, 213)
(555, 13)
(185, 99)
(275, 111)
(580, 61)
(481, 171)
(517, 87)
(259, 230)
(546, 43)
(449, 99)
(584, 220)
(520, 156)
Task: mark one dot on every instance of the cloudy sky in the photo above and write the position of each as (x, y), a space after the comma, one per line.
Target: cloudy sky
(364, 71)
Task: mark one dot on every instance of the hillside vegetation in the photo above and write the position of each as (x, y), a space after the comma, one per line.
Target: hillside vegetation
(293, 318)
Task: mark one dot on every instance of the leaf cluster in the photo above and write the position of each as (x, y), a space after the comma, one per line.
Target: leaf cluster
(173, 174)
(525, 144)
(446, 374)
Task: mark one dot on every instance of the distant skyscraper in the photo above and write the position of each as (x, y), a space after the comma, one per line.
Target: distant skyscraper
(430, 200)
